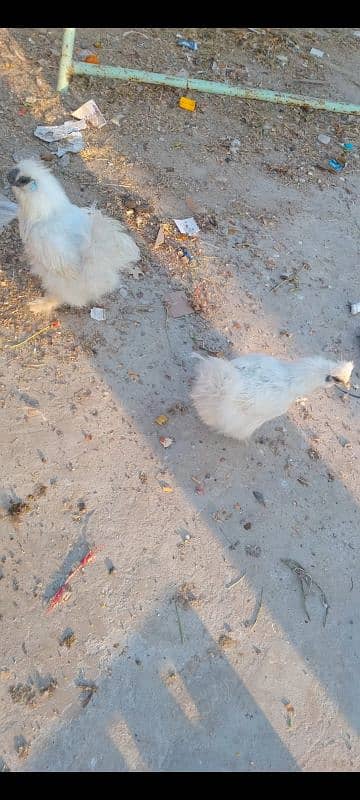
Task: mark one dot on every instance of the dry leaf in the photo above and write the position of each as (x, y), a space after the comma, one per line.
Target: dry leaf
(162, 419)
(32, 412)
(166, 488)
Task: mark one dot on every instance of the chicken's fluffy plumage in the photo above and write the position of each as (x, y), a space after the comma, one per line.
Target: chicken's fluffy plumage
(236, 397)
(78, 253)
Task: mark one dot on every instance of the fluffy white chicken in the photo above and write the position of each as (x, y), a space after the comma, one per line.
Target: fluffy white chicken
(77, 252)
(236, 397)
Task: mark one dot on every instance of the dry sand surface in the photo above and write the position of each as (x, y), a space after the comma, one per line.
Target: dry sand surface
(184, 645)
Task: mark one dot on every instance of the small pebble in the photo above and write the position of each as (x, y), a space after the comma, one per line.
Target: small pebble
(259, 497)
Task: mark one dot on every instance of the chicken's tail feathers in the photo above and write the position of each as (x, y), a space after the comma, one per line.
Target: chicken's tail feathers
(113, 238)
(214, 378)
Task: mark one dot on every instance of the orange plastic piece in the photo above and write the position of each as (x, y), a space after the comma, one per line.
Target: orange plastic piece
(94, 59)
(187, 103)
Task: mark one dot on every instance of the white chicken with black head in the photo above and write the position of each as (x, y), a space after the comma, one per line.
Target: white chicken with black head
(78, 253)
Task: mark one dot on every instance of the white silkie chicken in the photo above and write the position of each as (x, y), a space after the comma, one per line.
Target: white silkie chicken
(236, 397)
(77, 252)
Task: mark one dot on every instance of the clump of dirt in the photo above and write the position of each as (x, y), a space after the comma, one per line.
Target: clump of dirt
(47, 686)
(17, 507)
(68, 638)
(185, 596)
(225, 642)
(23, 693)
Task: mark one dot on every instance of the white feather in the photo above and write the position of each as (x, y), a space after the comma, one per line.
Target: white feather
(236, 397)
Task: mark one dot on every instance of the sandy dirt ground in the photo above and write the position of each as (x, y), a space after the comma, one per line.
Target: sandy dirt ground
(185, 644)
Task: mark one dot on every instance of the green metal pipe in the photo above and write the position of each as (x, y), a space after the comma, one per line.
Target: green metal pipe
(66, 59)
(212, 87)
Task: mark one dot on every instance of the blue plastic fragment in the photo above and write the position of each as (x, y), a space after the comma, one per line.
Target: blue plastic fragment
(335, 165)
(184, 252)
(189, 43)
(347, 146)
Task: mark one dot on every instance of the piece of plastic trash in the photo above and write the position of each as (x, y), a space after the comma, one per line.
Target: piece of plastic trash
(355, 308)
(90, 112)
(98, 313)
(235, 147)
(53, 133)
(356, 33)
(188, 43)
(92, 59)
(166, 441)
(317, 53)
(323, 138)
(187, 103)
(187, 226)
(72, 144)
(335, 165)
(8, 211)
(185, 253)
(347, 146)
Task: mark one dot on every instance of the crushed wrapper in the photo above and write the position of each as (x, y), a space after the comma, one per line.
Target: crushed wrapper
(53, 133)
(90, 112)
(187, 226)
